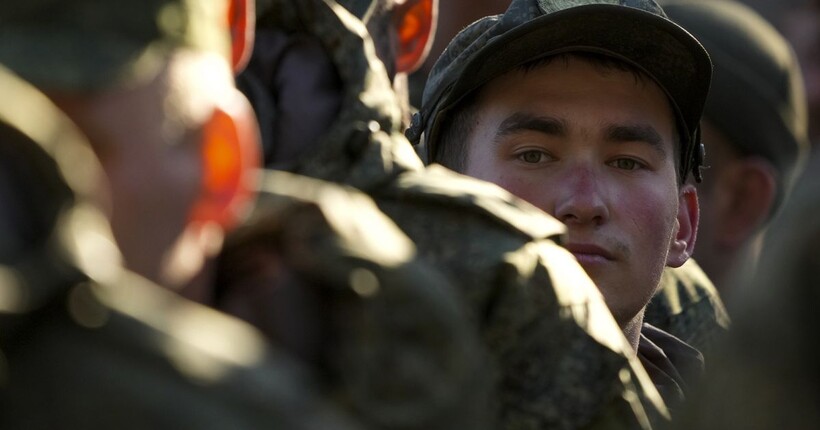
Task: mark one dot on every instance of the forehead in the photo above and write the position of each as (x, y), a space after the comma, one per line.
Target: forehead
(578, 88)
(581, 71)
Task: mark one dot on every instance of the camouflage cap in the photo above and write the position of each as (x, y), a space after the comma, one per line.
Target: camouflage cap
(634, 31)
(90, 44)
(757, 97)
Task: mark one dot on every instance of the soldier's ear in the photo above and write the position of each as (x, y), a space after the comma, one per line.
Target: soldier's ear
(682, 244)
(242, 22)
(749, 189)
(231, 157)
(415, 22)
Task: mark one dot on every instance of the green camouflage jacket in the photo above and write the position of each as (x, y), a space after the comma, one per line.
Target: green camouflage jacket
(688, 306)
(559, 359)
(350, 297)
(85, 344)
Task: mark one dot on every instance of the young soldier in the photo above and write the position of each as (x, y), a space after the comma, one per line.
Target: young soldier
(589, 110)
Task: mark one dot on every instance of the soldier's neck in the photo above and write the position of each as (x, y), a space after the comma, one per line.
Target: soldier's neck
(632, 330)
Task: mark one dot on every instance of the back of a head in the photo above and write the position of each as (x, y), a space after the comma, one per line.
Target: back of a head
(757, 98)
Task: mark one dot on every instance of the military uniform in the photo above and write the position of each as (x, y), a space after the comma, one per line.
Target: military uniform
(342, 286)
(688, 306)
(636, 33)
(558, 358)
(86, 344)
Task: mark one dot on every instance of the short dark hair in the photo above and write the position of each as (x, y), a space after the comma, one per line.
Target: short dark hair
(451, 148)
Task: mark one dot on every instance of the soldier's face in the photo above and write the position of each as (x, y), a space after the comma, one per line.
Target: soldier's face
(595, 149)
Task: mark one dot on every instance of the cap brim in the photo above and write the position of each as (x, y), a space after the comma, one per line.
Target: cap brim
(661, 48)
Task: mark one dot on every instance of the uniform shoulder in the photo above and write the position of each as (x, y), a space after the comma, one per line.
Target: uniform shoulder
(290, 204)
(373, 303)
(689, 306)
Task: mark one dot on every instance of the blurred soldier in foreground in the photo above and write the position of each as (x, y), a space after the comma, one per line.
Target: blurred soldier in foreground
(558, 358)
(151, 87)
(590, 111)
(755, 125)
(149, 84)
(86, 344)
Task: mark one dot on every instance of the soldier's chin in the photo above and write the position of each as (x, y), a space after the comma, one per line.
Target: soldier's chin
(623, 311)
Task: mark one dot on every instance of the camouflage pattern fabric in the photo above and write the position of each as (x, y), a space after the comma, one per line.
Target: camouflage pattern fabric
(86, 345)
(388, 334)
(688, 306)
(560, 360)
(363, 147)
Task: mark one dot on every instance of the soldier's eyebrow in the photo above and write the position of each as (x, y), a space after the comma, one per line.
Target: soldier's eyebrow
(522, 121)
(636, 133)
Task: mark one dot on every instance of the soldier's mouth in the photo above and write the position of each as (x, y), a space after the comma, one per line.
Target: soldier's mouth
(589, 254)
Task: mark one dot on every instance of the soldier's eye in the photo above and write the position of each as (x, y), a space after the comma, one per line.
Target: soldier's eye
(626, 164)
(532, 156)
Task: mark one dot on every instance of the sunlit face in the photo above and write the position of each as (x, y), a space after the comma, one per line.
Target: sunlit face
(594, 147)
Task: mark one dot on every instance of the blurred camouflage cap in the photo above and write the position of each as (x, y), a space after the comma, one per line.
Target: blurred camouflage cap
(89, 44)
(757, 97)
(634, 31)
